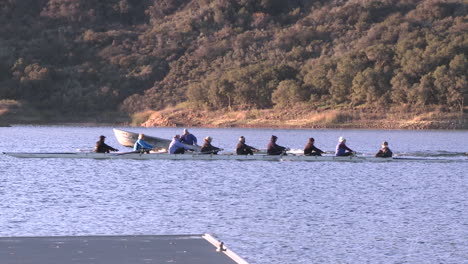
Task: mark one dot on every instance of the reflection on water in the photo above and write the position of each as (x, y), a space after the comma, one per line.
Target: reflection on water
(267, 212)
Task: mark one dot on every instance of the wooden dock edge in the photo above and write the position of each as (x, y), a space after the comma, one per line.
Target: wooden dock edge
(220, 247)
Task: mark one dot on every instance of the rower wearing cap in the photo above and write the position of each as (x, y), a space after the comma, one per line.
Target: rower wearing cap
(244, 149)
(207, 148)
(342, 149)
(102, 147)
(275, 149)
(385, 151)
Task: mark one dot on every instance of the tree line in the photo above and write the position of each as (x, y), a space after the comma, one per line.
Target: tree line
(80, 57)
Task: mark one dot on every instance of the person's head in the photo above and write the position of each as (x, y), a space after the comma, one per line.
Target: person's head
(242, 139)
(342, 140)
(141, 136)
(186, 131)
(102, 138)
(385, 144)
(311, 140)
(208, 139)
(274, 138)
(177, 136)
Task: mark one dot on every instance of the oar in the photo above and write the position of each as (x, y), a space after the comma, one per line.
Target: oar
(210, 152)
(129, 152)
(140, 151)
(85, 150)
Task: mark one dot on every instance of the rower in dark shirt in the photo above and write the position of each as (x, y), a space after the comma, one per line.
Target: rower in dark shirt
(311, 150)
(102, 147)
(244, 149)
(275, 149)
(385, 151)
(207, 148)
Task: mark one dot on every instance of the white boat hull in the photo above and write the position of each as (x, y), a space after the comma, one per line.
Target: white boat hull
(127, 139)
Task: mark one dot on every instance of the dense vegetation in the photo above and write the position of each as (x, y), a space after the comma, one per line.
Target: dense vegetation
(81, 57)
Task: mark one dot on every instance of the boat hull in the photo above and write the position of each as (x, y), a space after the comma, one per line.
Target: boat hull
(165, 156)
(128, 139)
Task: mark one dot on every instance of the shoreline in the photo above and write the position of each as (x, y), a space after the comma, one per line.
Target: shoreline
(268, 119)
(87, 124)
(302, 119)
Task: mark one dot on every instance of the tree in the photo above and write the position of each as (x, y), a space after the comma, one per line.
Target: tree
(402, 86)
(316, 77)
(368, 87)
(288, 93)
(426, 91)
(459, 89)
(342, 77)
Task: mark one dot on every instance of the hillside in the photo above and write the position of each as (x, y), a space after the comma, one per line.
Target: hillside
(109, 60)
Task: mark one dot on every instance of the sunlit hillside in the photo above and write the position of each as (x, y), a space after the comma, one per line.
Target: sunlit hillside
(75, 59)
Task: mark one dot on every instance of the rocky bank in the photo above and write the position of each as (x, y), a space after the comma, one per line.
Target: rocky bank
(293, 118)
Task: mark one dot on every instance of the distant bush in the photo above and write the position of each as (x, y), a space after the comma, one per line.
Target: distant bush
(337, 117)
(141, 117)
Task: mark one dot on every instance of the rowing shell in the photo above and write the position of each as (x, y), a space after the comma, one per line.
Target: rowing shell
(165, 156)
(128, 139)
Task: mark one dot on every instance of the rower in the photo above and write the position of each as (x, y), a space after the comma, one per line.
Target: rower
(342, 149)
(207, 148)
(176, 147)
(141, 145)
(385, 151)
(275, 149)
(102, 147)
(188, 138)
(311, 150)
(244, 149)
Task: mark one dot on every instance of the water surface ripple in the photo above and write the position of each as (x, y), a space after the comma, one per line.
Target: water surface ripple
(267, 212)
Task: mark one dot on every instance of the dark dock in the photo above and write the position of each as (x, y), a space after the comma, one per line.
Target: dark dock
(145, 249)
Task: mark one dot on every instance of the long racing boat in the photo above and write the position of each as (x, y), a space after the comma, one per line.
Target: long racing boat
(198, 156)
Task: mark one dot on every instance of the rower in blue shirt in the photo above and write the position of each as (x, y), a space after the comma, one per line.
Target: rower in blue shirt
(141, 145)
(188, 138)
(176, 147)
(342, 149)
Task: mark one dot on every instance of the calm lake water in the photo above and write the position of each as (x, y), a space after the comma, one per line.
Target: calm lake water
(266, 212)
